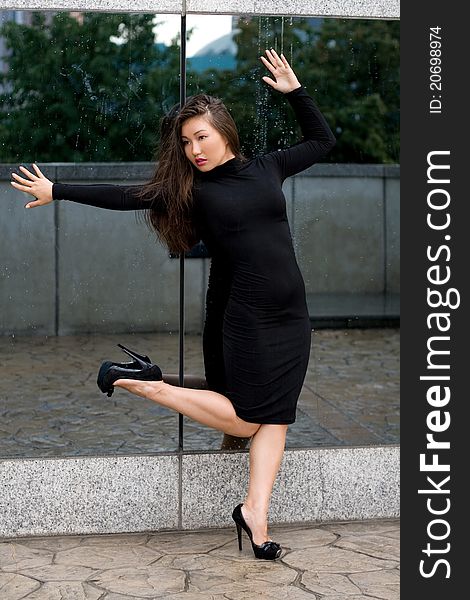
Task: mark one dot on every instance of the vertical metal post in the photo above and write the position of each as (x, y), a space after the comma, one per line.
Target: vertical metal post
(181, 319)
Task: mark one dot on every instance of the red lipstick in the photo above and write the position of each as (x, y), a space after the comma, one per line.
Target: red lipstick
(201, 161)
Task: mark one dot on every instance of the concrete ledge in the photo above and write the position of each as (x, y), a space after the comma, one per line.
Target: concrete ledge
(315, 8)
(332, 8)
(161, 6)
(136, 171)
(90, 495)
(73, 496)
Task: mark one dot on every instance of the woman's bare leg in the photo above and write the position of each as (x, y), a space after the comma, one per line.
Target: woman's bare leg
(229, 442)
(216, 411)
(206, 407)
(266, 452)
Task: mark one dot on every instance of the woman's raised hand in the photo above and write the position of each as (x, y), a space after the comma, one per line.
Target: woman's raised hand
(285, 79)
(36, 185)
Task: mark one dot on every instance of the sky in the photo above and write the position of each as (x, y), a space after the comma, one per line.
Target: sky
(206, 29)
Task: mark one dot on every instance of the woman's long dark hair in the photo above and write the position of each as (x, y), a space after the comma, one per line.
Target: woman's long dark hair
(170, 189)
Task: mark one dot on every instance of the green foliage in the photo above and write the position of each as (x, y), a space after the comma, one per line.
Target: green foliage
(71, 94)
(358, 65)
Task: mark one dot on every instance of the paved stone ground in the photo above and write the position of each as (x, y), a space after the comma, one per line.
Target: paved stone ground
(335, 561)
(50, 404)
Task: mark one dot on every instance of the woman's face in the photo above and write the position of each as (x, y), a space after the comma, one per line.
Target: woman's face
(203, 145)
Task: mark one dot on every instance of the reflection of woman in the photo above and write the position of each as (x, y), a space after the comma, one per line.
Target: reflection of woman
(203, 188)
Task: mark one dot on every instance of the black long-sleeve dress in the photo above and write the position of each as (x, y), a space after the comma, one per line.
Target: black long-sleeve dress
(257, 332)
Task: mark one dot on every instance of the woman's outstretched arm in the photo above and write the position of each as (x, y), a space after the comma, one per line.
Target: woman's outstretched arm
(102, 195)
(44, 191)
(318, 138)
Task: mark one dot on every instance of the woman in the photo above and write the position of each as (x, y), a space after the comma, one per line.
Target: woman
(203, 188)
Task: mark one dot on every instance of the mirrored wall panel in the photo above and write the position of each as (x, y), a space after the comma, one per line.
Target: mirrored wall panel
(343, 212)
(82, 95)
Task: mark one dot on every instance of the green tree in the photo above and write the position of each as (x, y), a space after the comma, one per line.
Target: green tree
(355, 68)
(85, 90)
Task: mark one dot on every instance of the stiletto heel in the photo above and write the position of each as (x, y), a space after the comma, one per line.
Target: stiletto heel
(239, 533)
(268, 550)
(137, 361)
(140, 369)
(134, 355)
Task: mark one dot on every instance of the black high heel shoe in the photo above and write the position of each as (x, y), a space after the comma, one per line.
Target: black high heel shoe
(268, 550)
(141, 368)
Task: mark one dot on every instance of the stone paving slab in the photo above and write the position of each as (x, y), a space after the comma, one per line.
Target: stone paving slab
(332, 561)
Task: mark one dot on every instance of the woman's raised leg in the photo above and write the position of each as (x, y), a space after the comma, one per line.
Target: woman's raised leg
(206, 407)
(266, 452)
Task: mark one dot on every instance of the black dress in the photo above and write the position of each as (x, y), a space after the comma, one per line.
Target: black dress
(257, 332)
